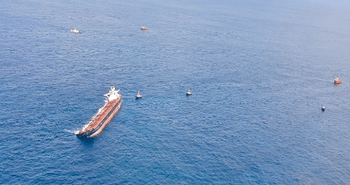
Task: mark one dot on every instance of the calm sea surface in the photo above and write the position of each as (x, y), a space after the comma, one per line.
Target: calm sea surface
(259, 72)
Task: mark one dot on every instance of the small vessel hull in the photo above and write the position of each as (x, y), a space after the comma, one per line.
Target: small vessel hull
(74, 31)
(337, 81)
(138, 95)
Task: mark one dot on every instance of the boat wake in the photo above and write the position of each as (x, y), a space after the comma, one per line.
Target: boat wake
(71, 131)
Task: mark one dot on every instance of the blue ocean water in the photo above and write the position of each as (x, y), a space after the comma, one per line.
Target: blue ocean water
(259, 72)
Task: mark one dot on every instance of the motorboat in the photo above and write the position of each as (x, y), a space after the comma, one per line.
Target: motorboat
(138, 95)
(74, 30)
(337, 80)
(188, 92)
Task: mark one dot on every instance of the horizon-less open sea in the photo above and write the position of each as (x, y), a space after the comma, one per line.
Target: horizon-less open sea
(259, 72)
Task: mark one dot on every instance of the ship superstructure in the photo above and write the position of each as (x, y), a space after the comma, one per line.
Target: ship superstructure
(104, 115)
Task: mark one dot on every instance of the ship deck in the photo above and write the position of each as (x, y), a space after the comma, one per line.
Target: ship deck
(102, 114)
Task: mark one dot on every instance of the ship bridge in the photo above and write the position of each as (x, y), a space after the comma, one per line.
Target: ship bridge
(112, 94)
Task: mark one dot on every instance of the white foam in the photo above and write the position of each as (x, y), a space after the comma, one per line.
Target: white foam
(70, 131)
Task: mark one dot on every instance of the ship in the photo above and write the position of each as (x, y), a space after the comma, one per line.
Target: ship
(337, 80)
(188, 92)
(104, 115)
(138, 96)
(74, 30)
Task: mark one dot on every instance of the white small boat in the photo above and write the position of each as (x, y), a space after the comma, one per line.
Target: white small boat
(189, 92)
(138, 95)
(74, 30)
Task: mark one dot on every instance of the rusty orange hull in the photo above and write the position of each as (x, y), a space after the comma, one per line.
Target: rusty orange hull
(337, 81)
(101, 120)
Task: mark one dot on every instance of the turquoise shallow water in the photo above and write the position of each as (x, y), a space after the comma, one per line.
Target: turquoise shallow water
(259, 74)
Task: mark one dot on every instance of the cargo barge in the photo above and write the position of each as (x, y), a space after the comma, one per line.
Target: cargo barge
(103, 116)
